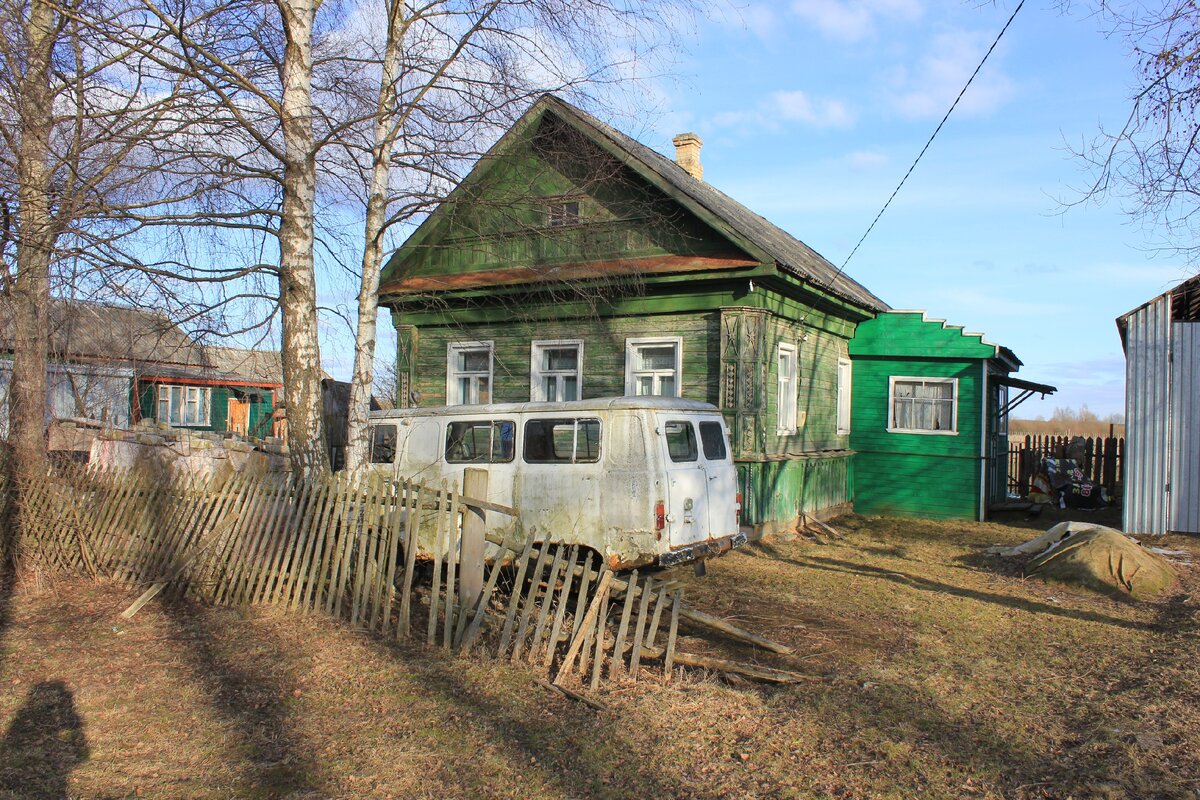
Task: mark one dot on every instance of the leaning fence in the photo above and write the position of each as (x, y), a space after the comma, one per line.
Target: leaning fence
(347, 546)
(1101, 459)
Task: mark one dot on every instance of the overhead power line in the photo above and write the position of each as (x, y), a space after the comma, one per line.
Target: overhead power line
(932, 136)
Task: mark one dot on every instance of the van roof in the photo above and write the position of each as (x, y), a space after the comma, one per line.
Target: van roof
(597, 404)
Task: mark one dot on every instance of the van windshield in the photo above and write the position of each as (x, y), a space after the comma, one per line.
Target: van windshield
(480, 442)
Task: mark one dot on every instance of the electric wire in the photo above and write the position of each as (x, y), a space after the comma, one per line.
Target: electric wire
(933, 136)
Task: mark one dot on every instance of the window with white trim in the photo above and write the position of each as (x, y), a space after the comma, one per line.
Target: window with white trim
(556, 370)
(844, 378)
(468, 373)
(786, 384)
(184, 406)
(922, 405)
(653, 367)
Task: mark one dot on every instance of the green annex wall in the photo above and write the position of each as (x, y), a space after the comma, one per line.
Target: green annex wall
(915, 474)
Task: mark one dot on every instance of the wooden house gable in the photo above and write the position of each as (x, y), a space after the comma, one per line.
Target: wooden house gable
(549, 203)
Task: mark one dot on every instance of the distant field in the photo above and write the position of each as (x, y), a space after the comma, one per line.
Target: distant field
(936, 672)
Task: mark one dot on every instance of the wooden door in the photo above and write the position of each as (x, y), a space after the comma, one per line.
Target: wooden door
(238, 420)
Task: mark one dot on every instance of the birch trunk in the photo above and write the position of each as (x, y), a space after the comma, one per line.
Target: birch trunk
(357, 443)
(31, 291)
(301, 352)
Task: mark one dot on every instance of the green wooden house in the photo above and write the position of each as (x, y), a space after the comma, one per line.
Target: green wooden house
(930, 417)
(574, 262)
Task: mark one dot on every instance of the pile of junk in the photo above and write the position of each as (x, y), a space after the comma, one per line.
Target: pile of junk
(1064, 483)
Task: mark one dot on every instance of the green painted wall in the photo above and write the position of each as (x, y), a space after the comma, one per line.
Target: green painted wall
(916, 474)
(775, 493)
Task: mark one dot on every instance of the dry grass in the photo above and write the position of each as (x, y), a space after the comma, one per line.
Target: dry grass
(939, 673)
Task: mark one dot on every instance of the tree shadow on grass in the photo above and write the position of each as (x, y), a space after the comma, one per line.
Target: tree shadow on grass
(251, 697)
(580, 753)
(43, 744)
(929, 585)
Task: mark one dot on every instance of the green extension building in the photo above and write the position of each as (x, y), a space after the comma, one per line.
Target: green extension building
(930, 417)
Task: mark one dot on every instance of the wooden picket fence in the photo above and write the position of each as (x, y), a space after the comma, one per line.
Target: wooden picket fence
(1103, 460)
(340, 546)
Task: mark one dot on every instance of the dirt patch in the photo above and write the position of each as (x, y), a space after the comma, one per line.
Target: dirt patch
(934, 676)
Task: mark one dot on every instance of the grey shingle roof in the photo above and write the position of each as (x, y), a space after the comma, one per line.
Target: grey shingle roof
(789, 252)
(96, 332)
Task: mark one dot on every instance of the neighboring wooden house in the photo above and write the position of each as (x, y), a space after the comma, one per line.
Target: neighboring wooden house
(574, 262)
(929, 425)
(1161, 339)
(121, 365)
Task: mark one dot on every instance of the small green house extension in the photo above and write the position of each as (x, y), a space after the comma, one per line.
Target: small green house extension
(930, 418)
(574, 262)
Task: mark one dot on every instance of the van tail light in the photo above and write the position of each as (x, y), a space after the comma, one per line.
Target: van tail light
(739, 508)
(660, 516)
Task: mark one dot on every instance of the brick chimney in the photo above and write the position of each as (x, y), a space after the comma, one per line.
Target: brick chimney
(687, 154)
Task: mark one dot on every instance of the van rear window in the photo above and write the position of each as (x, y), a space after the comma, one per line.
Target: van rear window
(562, 441)
(681, 441)
(713, 439)
(480, 442)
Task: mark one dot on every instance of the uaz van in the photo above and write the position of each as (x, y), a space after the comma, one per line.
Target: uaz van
(640, 480)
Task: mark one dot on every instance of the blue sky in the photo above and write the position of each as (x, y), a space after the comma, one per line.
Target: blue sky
(811, 111)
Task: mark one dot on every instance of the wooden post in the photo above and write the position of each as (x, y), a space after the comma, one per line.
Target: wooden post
(470, 575)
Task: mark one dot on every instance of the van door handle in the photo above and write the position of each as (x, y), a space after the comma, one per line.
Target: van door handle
(713, 477)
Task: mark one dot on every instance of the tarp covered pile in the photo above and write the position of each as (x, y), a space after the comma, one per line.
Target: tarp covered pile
(1094, 556)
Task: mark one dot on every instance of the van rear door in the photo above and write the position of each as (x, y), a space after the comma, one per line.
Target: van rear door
(687, 481)
(722, 478)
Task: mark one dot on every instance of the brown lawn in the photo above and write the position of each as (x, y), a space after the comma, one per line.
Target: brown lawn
(936, 672)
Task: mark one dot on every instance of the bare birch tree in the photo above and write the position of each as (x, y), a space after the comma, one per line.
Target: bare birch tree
(453, 76)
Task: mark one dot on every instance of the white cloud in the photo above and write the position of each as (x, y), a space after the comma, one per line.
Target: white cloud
(930, 88)
(854, 20)
(866, 159)
(797, 106)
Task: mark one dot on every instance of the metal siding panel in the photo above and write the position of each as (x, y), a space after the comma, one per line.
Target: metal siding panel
(1147, 419)
(1185, 451)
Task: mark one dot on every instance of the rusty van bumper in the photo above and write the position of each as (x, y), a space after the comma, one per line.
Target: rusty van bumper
(701, 550)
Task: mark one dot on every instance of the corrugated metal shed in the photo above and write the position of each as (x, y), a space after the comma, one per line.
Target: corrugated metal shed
(1162, 412)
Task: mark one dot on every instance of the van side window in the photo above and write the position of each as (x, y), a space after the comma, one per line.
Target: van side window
(713, 439)
(681, 441)
(480, 442)
(562, 441)
(383, 444)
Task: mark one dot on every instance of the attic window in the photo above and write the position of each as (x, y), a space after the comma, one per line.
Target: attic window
(560, 213)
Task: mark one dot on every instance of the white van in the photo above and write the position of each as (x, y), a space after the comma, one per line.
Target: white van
(640, 480)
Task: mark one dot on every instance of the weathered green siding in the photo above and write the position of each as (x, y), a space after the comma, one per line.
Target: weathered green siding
(933, 475)
(776, 492)
(603, 353)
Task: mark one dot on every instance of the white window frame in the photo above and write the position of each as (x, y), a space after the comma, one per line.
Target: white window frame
(844, 394)
(631, 375)
(538, 376)
(453, 349)
(891, 401)
(203, 395)
(787, 389)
